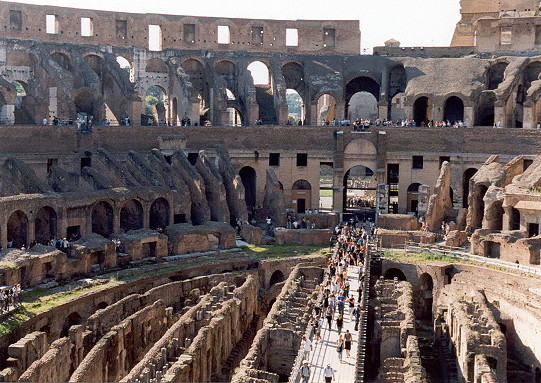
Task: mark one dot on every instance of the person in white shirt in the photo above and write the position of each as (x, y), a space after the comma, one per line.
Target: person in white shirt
(305, 372)
(328, 374)
(306, 347)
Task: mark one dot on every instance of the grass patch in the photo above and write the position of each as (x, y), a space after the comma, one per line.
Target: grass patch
(418, 257)
(325, 193)
(285, 251)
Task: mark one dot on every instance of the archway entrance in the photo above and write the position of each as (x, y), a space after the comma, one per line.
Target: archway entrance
(362, 105)
(361, 84)
(426, 285)
(276, 277)
(22, 113)
(468, 174)
(249, 181)
(360, 185)
(326, 109)
(302, 195)
(393, 273)
(453, 110)
(422, 112)
(295, 108)
(479, 205)
(263, 83)
(102, 219)
(131, 216)
(45, 225)
(17, 229)
(159, 214)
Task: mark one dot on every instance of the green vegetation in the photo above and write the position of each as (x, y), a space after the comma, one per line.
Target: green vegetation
(285, 251)
(294, 103)
(417, 257)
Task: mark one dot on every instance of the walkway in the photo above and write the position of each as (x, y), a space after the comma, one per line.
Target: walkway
(325, 352)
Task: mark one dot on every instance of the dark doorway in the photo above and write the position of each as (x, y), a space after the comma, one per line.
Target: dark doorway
(102, 219)
(395, 273)
(453, 110)
(468, 174)
(249, 178)
(131, 216)
(159, 214)
(17, 229)
(276, 277)
(45, 225)
(420, 111)
(493, 249)
(533, 230)
(73, 232)
(301, 205)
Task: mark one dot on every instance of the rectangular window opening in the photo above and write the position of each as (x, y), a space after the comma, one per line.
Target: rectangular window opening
(302, 159)
(329, 37)
(274, 159)
(51, 26)
(154, 38)
(16, 20)
(224, 36)
(121, 27)
(87, 26)
(86, 161)
(292, 37)
(506, 35)
(417, 162)
(257, 35)
(189, 33)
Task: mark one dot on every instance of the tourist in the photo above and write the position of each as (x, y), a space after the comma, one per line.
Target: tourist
(347, 343)
(357, 315)
(339, 323)
(305, 372)
(328, 374)
(306, 347)
(340, 347)
(329, 316)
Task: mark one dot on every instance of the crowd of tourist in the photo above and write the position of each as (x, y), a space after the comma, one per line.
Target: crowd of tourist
(349, 244)
(10, 297)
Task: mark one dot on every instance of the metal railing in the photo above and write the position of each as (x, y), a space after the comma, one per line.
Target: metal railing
(459, 253)
(363, 330)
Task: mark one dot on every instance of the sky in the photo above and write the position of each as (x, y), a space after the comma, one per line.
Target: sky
(412, 22)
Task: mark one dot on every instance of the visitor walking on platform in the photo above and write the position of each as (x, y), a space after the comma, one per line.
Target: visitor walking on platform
(306, 347)
(340, 347)
(339, 323)
(329, 315)
(328, 374)
(305, 372)
(347, 343)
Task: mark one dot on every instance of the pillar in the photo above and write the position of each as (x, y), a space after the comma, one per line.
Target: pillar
(312, 112)
(500, 116)
(528, 116)
(469, 116)
(116, 219)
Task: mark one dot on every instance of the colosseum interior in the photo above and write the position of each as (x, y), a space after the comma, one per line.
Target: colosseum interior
(142, 162)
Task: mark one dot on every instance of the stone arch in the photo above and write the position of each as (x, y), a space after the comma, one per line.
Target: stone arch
(227, 70)
(159, 214)
(96, 63)
(71, 320)
(276, 277)
(531, 73)
(293, 74)
(17, 228)
(326, 109)
(393, 272)
(296, 111)
(413, 197)
(495, 75)
(195, 69)
(260, 71)
(155, 106)
(485, 109)
(360, 185)
(248, 176)
(127, 65)
(101, 305)
(494, 215)
(453, 109)
(397, 81)
(422, 110)
(361, 84)
(63, 60)
(45, 225)
(264, 87)
(131, 215)
(362, 105)
(301, 193)
(102, 217)
(156, 65)
(426, 285)
(468, 174)
(88, 103)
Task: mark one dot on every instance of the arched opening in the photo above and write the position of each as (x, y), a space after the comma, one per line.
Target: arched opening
(326, 109)
(131, 216)
(127, 67)
(478, 208)
(3, 112)
(45, 225)
(393, 273)
(514, 219)
(301, 195)
(361, 84)
(156, 65)
(396, 107)
(453, 111)
(196, 72)
(426, 285)
(494, 216)
(249, 181)
(422, 111)
(362, 106)
(22, 112)
(62, 60)
(468, 174)
(495, 75)
(276, 277)
(413, 197)
(397, 86)
(264, 92)
(295, 108)
(492, 363)
(87, 104)
(485, 109)
(326, 175)
(360, 191)
(234, 116)
(96, 63)
(73, 319)
(155, 106)
(537, 375)
(17, 229)
(227, 70)
(102, 219)
(101, 305)
(159, 214)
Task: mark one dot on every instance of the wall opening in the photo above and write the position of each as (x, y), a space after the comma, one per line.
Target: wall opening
(295, 108)
(102, 219)
(87, 27)
(362, 105)
(326, 109)
(155, 106)
(453, 110)
(126, 66)
(131, 216)
(248, 176)
(360, 185)
(155, 38)
(292, 37)
(468, 174)
(159, 214)
(361, 84)
(393, 273)
(302, 192)
(276, 277)
(224, 35)
(45, 225)
(422, 111)
(326, 174)
(17, 229)
(51, 24)
(426, 285)
(413, 197)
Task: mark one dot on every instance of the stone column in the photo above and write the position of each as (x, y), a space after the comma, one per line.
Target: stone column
(528, 116)
(116, 219)
(31, 235)
(469, 116)
(146, 214)
(312, 121)
(500, 116)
